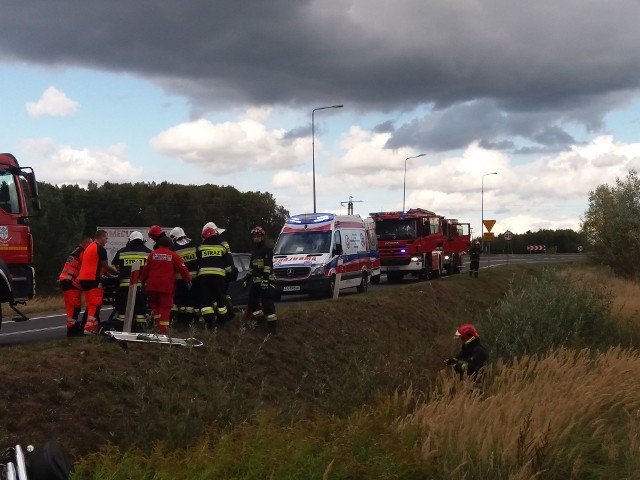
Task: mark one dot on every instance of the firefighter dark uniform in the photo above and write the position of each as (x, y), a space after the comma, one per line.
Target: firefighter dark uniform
(472, 357)
(260, 280)
(134, 251)
(474, 255)
(233, 276)
(185, 299)
(214, 267)
(72, 291)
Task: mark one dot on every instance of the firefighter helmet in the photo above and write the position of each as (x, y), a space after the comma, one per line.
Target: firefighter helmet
(155, 231)
(135, 235)
(466, 332)
(209, 230)
(257, 231)
(176, 233)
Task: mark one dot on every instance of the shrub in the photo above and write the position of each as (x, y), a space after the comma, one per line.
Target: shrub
(549, 311)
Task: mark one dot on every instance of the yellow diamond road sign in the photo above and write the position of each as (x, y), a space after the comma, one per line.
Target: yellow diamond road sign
(489, 224)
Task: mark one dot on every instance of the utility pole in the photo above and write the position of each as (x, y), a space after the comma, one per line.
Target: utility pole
(350, 205)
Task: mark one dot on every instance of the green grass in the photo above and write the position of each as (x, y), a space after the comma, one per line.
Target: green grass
(348, 389)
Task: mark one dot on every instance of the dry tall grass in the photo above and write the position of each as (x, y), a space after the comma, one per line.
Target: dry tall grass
(559, 416)
(625, 293)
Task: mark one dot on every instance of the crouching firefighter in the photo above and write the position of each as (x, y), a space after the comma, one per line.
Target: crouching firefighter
(185, 299)
(134, 251)
(473, 355)
(214, 267)
(260, 280)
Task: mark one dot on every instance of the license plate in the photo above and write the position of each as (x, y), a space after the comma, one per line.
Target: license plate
(291, 288)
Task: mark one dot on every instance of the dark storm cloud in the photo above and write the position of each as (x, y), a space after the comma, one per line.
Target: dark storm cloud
(384, 127)
(370, 54)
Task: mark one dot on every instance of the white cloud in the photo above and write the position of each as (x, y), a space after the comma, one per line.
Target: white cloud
(52, 103)
(62, 164)
(232, 146)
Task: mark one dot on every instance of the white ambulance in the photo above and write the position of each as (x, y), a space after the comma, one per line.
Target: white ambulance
(309, 247)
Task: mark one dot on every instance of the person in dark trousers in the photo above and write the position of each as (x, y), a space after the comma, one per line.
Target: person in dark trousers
(233, 275)
(184, 299)
(134, 251)
(214, 267)
(71, 288)
(473, 355)
(474, 254)
(260, 280)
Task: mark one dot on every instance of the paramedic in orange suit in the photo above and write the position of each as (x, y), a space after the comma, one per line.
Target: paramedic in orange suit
(71, 288)
(94, 263)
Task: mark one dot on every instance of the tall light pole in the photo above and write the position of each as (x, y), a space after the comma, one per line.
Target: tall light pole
(313, 149)
(404, 185)
(482, 213)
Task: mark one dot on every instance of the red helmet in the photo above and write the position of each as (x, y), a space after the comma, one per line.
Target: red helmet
(257, 231)
(155, 232)
(466, 332)
(209, 230)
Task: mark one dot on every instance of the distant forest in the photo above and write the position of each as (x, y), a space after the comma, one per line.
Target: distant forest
(69, 211)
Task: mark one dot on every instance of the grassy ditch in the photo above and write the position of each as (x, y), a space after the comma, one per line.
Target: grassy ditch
(348, 389)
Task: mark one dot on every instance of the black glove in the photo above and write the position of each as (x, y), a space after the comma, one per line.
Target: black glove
(450, 361)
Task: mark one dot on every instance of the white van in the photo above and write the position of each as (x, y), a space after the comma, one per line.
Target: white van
(305, 258)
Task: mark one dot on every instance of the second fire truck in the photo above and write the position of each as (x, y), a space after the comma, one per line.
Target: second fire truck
(420, 243)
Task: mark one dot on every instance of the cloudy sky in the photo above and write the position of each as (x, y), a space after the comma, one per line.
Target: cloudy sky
(544, 93)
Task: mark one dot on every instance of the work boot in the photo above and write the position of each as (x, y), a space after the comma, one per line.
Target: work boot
(272, 327)
(476, 275)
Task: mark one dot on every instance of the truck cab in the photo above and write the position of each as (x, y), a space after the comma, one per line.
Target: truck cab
(17, 276)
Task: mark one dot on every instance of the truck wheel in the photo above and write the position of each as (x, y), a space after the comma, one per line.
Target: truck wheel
(364, 284)
(375, 279)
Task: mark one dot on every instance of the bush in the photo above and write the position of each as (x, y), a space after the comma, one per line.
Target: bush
(546, 312)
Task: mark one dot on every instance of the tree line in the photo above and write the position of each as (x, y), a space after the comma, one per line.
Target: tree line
(69, 211)
(555, 241)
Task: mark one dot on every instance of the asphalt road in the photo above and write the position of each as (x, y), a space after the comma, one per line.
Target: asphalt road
(51, 326)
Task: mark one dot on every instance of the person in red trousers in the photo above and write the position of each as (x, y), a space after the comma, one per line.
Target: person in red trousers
(159, 274)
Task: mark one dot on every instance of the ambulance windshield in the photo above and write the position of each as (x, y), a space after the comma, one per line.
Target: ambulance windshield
(303, 243)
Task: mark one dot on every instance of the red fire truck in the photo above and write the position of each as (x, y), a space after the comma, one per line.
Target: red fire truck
(420, 243)
(17, 279)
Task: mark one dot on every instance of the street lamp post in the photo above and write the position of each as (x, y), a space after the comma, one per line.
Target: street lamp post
(482, 212)
(404, 185)
(313, 149)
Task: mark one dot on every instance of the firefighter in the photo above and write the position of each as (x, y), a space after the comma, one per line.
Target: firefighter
(72, 290)
(184, 299)
(155, 233)
(159, 274)
(230, 277)
(134, 251)
(473, 355)
(94, 263)
(260, 280)
(474, 255)
(214, 267)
